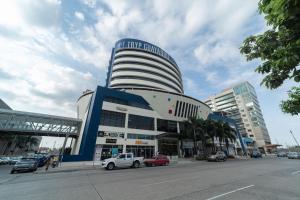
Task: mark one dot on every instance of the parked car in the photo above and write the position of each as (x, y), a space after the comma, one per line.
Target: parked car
(41, 159)
(14, 160)
(3, 161)
(218, 156)
(281, 154)
(25, 164)
(256, 154)
(122, 160)
(293, 155)
(157, 160)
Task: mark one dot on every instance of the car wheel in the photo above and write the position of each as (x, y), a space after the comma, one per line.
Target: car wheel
(136, 164)
(110, 166)
(12, 171)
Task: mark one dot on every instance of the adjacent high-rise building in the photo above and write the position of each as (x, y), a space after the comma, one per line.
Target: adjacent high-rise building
(241, 104)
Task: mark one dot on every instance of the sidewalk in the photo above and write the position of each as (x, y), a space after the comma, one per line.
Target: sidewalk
(70, 167)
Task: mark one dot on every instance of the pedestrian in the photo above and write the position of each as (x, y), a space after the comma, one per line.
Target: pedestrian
(48, 163)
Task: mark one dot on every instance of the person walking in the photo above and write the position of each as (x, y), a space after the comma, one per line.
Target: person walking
(48, 163)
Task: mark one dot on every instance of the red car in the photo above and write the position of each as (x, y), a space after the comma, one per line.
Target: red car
(156, 161)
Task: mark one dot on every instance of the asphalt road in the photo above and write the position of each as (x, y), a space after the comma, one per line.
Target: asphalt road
(276, 178)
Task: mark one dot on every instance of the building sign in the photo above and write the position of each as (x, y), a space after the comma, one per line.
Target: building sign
(110, 134)
(111, 141)
(140, 142)
(138, 44)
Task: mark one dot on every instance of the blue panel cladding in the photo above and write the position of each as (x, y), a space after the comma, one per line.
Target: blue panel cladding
(219, 117)
(108, 76)
(89, 136)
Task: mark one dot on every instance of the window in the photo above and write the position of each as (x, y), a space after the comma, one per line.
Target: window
(140, 122)
(166, 125)
(111, 118)
(122, 156)
(183, 108)
(176, 108)
(129, 155)
(179, 109)
(186, 109)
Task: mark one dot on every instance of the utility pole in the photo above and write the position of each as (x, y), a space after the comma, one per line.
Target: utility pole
(295, 138)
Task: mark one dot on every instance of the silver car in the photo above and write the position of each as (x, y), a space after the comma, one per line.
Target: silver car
(293, 155)
(25, 164)
(219, 156)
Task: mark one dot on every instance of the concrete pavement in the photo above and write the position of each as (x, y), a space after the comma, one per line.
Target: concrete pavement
(267, 178)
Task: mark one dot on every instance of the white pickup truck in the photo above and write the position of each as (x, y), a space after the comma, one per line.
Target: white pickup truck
(122, 160)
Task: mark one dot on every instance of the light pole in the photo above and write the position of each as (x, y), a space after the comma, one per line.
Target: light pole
(295, 138)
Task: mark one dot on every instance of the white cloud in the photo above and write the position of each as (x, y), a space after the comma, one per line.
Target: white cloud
(38, 83)
(79, 15)
(89, 3)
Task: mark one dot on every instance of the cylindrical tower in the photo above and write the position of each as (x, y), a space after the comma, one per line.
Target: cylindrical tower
(138, 64)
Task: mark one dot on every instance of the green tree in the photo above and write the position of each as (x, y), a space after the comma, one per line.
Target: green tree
(195, 129)
(292, 105)
(191, 129)
(211, 132)
(220, 133)
(229, 135)
(278, 48)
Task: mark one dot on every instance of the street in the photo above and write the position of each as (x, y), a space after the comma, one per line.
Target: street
(267, 178)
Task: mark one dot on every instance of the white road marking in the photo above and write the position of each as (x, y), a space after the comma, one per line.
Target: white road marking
(295, 172)
(236, 190)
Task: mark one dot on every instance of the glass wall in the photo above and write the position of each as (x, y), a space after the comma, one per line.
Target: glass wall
(111, 118)
(107, 150)
(141, 151)
(140, 122)
(166, 125)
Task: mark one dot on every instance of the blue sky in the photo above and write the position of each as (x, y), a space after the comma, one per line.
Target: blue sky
(53, 50)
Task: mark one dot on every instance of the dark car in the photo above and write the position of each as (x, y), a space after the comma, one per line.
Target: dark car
(218, 156)
(157, 160)
(256, 154)
(25, 164)
(41, 160)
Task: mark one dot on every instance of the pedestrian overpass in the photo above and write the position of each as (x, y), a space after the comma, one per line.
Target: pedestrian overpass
(35, 124)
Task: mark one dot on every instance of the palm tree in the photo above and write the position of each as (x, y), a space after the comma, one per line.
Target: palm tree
(229, 135)
(194, 129)
(202, 134)
(220, 133)
(211, 132)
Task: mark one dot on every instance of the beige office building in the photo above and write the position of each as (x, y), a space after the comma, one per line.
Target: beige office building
(241, 104)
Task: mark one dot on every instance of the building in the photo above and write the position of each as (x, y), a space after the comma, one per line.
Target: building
(241, 104)
(142, 105)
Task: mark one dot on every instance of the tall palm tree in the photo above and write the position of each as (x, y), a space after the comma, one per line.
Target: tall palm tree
(220, 133)
(211, 131)
(191, 125)
(202, 134)
(229, 135)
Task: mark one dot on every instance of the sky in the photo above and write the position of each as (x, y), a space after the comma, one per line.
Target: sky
(53, 50)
